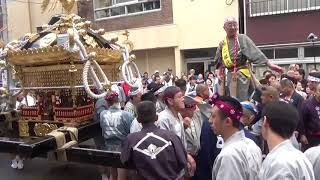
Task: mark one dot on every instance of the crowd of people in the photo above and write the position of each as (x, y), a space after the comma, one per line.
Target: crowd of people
(221, 125)
(181, 128)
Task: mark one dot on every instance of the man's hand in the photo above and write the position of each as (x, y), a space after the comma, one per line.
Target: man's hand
(187, 122)
(304, 140)
(221, 44)
(274, 67)
(191, 165)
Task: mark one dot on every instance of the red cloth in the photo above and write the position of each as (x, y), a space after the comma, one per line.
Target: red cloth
(126, 88)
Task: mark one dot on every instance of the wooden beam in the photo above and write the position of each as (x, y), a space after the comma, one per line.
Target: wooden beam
(45, 144)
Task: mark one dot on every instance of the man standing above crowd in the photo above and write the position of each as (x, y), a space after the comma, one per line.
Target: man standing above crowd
(240, 158)
(233, 53)
(284, 161)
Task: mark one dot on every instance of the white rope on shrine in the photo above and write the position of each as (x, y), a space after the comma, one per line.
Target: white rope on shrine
(85, 79)
(127, 74)
(88, 68)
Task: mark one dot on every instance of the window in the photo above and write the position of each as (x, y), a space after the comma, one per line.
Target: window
(286, 53)
(312, 51)
(115, 8)
(269, 53)
(199, 53)
(269, 7)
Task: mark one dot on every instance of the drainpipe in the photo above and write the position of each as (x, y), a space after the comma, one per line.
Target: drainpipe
(241, 16)
(30, 19)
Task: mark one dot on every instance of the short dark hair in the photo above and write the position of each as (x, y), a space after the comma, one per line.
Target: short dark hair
(211, 73)
(235, 104)
(271, 75)
(292, 79)
(302, 72)
(155, 77)
(286, 83)
(146, 111)
(149, 96)
(170, 92)
(266, 71)
(282, 117)
(209, 80)
(181, 83)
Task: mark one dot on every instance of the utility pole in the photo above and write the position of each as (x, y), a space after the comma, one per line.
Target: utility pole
(241, 16)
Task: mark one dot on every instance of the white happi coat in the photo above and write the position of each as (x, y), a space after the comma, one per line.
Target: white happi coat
(286, 162)
(313, 154)
(239, 159)
(167, 121)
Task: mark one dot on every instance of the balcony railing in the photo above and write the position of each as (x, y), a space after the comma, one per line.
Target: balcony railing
(126, 9)
(271, 7)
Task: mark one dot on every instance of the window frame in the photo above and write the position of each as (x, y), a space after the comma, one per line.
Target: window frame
(125, 5)
(285, 11)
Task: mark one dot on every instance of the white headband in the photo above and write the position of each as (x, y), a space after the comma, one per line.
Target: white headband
(134, 92)
(229, 19)
(160, 90)
(313, 79)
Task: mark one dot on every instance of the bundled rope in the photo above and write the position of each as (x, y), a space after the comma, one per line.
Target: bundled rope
(62, 145)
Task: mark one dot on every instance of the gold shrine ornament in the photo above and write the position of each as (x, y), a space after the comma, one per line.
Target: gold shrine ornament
(67, 5)
(42, 129)
(48, 39)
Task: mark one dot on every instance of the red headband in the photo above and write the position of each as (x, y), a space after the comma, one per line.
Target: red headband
(111, 95)
(230, 111)
(191, 105)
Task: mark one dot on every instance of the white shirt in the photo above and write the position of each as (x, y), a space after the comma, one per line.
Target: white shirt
(313, 154)
(303, 94)
(27, 101)
(190, 89)
(286, 162)
(136, 126)
(239, 159)
(167, 84)
(168, 121)
(193, 133)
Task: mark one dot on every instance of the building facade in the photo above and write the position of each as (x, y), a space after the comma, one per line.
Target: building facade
(281, 29)
(177, 34)
(24, 16)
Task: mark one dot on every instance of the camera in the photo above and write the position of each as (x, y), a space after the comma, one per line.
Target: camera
(312, 37)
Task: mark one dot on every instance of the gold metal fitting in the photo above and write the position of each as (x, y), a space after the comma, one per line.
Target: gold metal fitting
(132, 57)
(101, 31)
(2, 63)
(82, 32)
(73, 68)
(87, 24)
(77, 19)
(114, 39)
(92, 55)
(3, 91)
(80, 25)
(107, 86)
